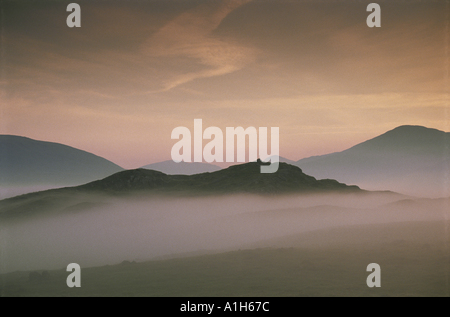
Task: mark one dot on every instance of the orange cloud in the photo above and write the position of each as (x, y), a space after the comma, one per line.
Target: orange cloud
(189, 35)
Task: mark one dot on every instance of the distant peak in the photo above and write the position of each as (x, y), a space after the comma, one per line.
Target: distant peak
(410, 128)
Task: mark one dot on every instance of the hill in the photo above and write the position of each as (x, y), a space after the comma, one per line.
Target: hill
(169, 167)
(182, 168)
(413, 160)
(28, 162)
(242, 178)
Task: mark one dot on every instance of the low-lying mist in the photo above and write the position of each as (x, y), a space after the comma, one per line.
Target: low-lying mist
(136, 230)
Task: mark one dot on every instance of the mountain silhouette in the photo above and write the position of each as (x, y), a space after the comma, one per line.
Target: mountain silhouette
(242, 178)
(408, 159)
(190, 168)
(182, 168)
(25, 162)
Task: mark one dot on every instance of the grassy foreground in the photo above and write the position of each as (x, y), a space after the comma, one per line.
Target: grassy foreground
(409, 267)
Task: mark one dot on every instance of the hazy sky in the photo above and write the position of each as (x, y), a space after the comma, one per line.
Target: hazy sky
(118, 85)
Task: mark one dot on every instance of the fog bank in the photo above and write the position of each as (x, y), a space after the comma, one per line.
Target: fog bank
(150, 228)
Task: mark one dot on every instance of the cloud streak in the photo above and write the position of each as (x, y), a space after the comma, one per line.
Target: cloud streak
(189, 36)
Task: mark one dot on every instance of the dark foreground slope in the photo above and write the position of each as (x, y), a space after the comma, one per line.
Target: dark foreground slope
(410, 266)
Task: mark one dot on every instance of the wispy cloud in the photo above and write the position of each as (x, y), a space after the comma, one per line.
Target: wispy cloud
(190, 36)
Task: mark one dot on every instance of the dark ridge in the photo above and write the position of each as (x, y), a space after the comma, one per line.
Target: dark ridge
(243, 178)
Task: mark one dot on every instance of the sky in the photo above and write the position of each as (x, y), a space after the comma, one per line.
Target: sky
(118, 85)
